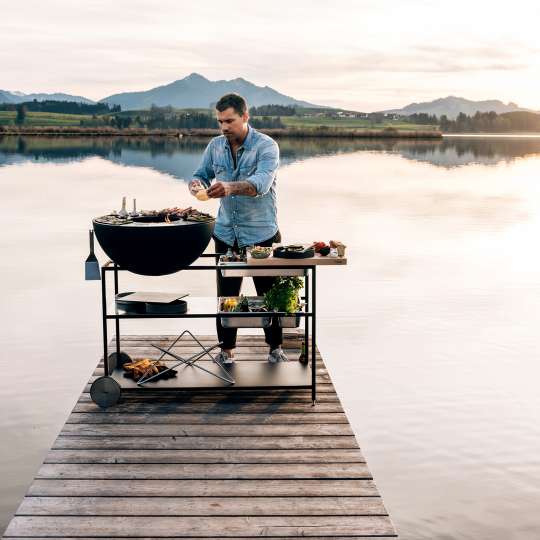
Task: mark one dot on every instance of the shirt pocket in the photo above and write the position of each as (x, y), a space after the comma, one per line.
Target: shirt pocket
(247, 170)
(220, 171)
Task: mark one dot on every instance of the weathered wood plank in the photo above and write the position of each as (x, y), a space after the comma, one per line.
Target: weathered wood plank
(206, 430)
(216, 407)
(222, 526)
(221, 419)
(202, 506)
(203, 488)
(209, 471)
(205, 456)
(186, 443)
(288, 537)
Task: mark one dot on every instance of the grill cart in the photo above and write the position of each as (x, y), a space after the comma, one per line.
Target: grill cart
(143, 248)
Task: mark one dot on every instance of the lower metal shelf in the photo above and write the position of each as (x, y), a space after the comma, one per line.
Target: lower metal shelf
(247, 375)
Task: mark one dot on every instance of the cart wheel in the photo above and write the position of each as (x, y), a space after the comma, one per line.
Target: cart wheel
(105, 392)
(120, 360)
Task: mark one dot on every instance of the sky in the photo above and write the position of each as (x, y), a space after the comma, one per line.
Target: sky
(363, 55)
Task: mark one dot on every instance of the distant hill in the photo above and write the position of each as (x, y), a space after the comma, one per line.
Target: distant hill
(20, 97)
(196, 91)
(451, 106)
(6, 97)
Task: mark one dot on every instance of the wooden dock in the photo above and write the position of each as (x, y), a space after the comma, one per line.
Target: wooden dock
(205, 465)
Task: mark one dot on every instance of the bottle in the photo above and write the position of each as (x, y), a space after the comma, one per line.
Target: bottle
(134, 213)
(123, 212)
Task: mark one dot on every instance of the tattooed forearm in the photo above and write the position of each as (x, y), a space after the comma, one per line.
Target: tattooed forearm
(243, 188)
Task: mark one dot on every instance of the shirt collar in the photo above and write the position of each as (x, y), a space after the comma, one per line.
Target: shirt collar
(248, 141)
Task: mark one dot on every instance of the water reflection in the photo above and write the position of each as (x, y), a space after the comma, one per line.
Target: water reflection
(430, 333)
(179, 157)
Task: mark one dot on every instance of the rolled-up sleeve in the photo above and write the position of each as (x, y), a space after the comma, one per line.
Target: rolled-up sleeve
(205, 171)
(267, 165)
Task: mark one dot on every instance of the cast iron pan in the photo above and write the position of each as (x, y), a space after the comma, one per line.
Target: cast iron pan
(284, 252)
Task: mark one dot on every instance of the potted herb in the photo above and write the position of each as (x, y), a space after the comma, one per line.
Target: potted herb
(283, 296)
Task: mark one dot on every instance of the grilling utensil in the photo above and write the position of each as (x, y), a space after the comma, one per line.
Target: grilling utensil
(91, 265)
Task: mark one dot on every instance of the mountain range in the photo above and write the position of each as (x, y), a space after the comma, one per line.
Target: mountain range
(451, 106)
(196, 91)
(193, 91)
(20, 97)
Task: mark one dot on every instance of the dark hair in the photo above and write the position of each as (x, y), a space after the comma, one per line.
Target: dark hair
(236, 101)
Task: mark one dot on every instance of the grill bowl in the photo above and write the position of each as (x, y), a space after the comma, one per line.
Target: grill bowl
(154, 248)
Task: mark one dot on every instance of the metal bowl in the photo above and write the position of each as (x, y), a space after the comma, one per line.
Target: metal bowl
(154, 249)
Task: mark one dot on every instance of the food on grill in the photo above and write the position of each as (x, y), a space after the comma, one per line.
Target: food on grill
(113, 219)
(167, 215)
(147, 368)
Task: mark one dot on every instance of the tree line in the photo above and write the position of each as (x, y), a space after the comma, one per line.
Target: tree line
(487, 122)
(169, 118)
(61, 107)
(273, 110)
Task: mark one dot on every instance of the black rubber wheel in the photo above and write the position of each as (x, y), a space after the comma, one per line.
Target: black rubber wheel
(122, 359)
(105, 392)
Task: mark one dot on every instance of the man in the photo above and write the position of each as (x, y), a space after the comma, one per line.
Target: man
(243, 164)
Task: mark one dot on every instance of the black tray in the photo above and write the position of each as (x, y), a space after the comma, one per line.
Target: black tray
(129, 306)
(178, 306)
(283, 253)
(133, 306)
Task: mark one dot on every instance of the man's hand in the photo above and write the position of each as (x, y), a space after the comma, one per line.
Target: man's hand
(194, 186)
(220, 189)
(223, 189)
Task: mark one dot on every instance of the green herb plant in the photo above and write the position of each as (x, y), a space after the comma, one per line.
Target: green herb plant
(283, 296)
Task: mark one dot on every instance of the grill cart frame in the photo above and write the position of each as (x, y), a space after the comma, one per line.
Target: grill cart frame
(244, 376)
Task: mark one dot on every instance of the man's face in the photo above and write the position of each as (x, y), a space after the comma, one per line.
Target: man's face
(232, 125)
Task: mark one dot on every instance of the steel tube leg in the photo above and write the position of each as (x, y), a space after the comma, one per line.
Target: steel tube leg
(306, 350)
(117, 321)
(313, 342)
(104, 317)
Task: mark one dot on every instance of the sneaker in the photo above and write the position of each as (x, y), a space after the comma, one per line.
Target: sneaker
(277, 355)
(224, 358)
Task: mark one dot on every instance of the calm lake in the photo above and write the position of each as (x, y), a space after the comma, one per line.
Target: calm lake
(430, 333)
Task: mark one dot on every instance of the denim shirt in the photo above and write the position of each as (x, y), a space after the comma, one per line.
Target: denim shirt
(248, 220)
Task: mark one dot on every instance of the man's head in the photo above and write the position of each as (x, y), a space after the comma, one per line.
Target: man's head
(232, 115)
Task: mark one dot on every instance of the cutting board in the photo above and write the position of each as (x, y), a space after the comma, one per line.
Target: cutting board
(154, 297)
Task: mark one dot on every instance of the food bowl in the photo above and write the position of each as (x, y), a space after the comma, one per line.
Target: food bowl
(260, 252)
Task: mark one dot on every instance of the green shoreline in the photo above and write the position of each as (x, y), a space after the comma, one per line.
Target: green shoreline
(178, 133)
